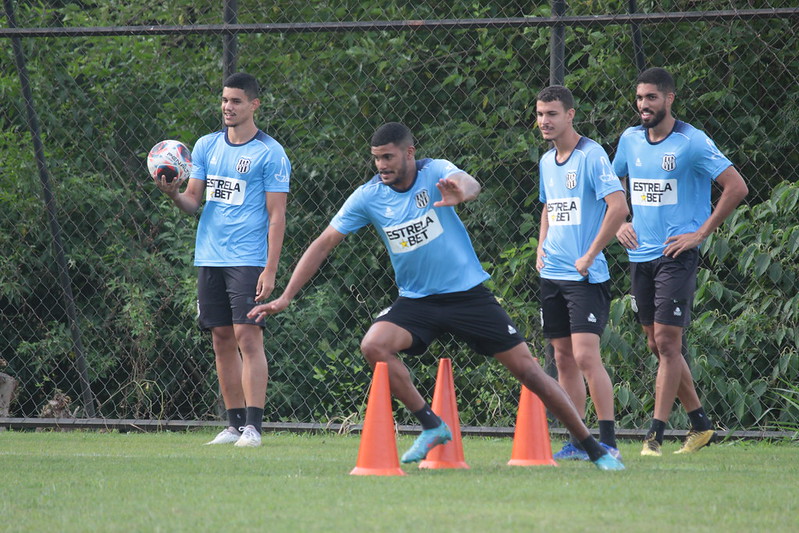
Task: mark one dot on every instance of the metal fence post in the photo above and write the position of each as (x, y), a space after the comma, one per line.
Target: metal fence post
(55, 226)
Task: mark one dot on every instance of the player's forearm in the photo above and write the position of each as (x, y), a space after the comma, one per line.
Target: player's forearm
(471, 189)
(615, 216)
(277, 233)
(186, 204)
(307, 267)
(543, 228)
(730, 198)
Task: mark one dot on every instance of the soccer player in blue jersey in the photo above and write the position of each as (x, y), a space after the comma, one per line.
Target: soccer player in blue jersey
(584, 205)
(411, 204)
(670, 166)
(243, 175)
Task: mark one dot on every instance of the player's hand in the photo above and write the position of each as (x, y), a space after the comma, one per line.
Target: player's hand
(170, 188)
(270, 308)
(627, 237)
(539, 259)
(265, 286)
(582, 264)
(679, 243)
(451, 193)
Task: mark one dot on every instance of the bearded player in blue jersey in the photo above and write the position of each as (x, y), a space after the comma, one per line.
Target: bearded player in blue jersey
(670, 166)
(411, 205)
(584, 205)
(243, 175)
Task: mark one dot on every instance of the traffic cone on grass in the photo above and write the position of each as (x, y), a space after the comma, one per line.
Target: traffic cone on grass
(377, 455)
(531, 444)
(449, 455)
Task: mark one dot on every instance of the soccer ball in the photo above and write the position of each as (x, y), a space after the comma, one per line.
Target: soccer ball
(170, 159)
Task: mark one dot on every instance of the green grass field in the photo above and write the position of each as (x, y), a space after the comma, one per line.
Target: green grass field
(89, 481)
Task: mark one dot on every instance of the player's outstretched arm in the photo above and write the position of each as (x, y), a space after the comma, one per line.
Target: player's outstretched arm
(457, 188)
(307, 266)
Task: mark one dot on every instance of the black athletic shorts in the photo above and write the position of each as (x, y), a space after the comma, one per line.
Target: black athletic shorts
(226, 294)
(573, 307)
(663, 289)
(474, 316)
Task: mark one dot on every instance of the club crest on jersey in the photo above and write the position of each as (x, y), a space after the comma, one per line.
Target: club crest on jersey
(571, 179)
(422, 199)
(243, 165)
(669, 162)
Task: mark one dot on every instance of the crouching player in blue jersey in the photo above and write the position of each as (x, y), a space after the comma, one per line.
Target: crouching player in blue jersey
(670, 166)
(411, 205)
(584, 205)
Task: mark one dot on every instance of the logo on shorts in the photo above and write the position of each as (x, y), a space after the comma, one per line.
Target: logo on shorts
(677, 311)
(633, 304)
(422, 199)
(571, 179)
(669, 162)
(511, 330)
(383, 312)
(591, 318)
(243, 165)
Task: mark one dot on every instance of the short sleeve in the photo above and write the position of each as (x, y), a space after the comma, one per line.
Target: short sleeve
(352, 216)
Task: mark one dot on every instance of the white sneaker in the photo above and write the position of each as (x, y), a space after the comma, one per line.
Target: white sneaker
(229, 435)
(249, 438)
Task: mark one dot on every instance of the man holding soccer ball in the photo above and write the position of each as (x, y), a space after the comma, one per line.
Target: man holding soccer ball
(243, 175)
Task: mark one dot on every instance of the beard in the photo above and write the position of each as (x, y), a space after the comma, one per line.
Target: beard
(656, 119)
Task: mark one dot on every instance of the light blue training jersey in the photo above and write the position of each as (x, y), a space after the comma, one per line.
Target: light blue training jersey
(429, 247)
(574, 193)
(234, 223)
(669, 184)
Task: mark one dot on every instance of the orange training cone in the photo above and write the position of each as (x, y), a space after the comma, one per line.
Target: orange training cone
(377, 455)
(449, 455)
(531, 445)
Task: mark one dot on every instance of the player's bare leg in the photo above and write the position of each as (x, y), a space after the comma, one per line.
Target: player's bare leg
(526, 369)
(229, 369)
(586, 353)
(569, 375)
(666, 343)
(255, 369)
(228, 366)
(381, 344)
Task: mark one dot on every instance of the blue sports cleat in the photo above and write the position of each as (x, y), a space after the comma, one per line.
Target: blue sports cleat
(429, 439)
(611, 450)
(608, 462)
(570, 452)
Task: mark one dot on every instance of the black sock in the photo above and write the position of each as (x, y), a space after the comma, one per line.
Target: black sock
(699, 420)
(576, 443)
(427, 417)
(255, 418)
(236, 418)
(656, 429)
(607, 432)
(592, 448)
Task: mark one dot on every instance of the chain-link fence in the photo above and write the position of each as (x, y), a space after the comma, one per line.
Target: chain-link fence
(97, 287)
